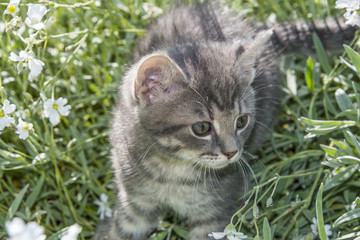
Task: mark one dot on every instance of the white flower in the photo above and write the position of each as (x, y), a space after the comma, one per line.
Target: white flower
(34, 15)
(98, 3)
(12, 8)
(54, 108)
(315, 229)
(271, 20)
(35, 65)
(2, 27)
(39, 158)
(352, 18)
(14, 22)
(350, 5)
(96, 40)
(23, 129)
(72, 232)
(104, 209)
(151, 10)
(5, 119)
(230, 234)
(18, 230)
(15, 58)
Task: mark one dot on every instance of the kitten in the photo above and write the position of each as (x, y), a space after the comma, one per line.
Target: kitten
(200, 97)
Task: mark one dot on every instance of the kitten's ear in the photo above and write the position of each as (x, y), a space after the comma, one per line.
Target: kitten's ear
(156, 78)
(246, 60)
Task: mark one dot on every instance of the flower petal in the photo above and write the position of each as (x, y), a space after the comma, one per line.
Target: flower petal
(3, 123)
(54, 118)
(15, 58)
(217, 235)
(35, 66)
(104, 198)
(36, 11)
(72, 232)
(15, 227)
(7, 107)
(61, 101)
(38, 26)
(327, 230)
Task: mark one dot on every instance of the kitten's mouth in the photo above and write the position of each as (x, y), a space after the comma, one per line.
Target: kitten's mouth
(216, 164)
(221, 162)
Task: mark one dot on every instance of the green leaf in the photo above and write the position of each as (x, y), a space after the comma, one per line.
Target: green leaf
(321, 127)
(350, 114)
(343, 100)
(331, 163)
(349, 160)
(94, 88)
(349, 64)
(343, 146)
(354, 56)
(357, 95)
(319, 214)
(266, 229)
(349, 236)
(58, 234)
(350, 215)
(326, 122)
(181, 232)
(352, 140)
(341, 177)
(328, 104)
(320, 51)
(16, 203)
(329, 150)
(309, 74)
(35, 193)
(255, 211)
(11, 156)
(159, 236)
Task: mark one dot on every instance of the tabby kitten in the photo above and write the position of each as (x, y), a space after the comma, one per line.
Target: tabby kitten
(200, 97)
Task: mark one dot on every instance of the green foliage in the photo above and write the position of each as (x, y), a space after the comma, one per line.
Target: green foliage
(310, 168)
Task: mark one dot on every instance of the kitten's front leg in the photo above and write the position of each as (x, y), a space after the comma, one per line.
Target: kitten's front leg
(129, 223)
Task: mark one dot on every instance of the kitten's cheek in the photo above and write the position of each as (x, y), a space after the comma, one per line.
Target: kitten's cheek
(187, 155)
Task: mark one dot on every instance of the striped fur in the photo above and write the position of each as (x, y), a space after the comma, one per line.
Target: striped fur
(196, 64)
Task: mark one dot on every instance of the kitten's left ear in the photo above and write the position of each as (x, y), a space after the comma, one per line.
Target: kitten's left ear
(246, 60)
(157, 78)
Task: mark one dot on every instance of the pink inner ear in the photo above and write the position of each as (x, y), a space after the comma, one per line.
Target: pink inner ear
(170, 89)
(155, 80)
(149, 82)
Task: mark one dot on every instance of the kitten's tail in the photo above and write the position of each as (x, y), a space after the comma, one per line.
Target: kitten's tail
(298, 38)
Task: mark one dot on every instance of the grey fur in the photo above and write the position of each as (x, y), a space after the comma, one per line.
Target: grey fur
(196, 64)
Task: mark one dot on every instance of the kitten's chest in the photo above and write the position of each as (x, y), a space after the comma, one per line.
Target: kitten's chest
(181, 187)
(185, 199)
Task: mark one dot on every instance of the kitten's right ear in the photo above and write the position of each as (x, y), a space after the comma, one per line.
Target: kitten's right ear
(247, 58)
(156, 79)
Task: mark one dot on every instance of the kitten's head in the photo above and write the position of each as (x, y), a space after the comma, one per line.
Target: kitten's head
(196, 100)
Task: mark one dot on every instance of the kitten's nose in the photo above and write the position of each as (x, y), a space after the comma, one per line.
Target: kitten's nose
(230, 154)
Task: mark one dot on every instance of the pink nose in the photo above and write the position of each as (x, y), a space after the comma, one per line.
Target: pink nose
(230, 154)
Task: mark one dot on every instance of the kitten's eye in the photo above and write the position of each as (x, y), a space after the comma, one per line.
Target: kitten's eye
(242, 121)
(201, 128)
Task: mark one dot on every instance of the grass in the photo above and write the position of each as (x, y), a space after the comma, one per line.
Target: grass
(310, 168)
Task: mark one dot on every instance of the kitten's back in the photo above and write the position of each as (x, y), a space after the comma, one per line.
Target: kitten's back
(212, 23)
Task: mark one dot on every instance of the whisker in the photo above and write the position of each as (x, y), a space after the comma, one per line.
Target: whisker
(249, 167)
